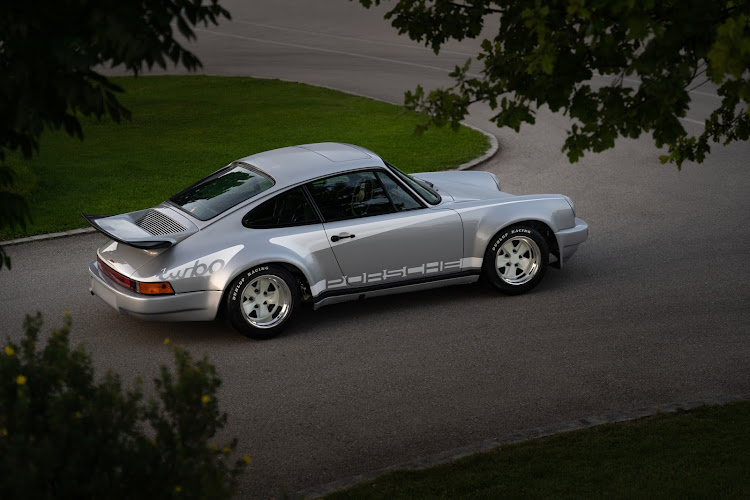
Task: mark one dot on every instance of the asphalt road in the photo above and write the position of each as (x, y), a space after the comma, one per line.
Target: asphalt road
(653, 308)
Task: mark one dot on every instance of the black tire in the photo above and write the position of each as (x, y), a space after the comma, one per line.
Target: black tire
(516, 259)
(261, 301)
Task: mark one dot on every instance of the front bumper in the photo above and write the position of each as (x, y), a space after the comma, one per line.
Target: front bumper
(569, 239)
(191, 306)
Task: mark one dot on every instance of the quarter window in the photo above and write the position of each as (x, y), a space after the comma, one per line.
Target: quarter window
(291, 208)
(417, 185)
(350, 195)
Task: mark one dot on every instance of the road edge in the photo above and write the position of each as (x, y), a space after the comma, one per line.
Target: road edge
(48, 236)
(488, 155)
(516, 437)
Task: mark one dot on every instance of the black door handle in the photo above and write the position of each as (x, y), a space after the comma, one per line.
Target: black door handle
(342, 236)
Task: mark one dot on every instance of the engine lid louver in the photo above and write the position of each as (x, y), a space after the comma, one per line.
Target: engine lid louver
(157, 223)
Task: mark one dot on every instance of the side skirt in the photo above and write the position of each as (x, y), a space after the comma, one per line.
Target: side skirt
(347, 295)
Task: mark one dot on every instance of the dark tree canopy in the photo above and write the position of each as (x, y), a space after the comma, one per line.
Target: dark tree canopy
(546, 52)
(51, 54)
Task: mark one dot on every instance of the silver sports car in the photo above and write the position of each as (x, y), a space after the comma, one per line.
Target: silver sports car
(323, 223)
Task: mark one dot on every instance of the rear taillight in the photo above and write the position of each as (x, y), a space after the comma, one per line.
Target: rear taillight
(159, 288)
(114, 275)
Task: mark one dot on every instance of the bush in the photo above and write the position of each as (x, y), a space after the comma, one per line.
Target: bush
(65, 435)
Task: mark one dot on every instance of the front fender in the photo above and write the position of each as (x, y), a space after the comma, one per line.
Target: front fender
(483, 220)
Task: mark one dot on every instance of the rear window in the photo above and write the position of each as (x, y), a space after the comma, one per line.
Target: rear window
(222, 190)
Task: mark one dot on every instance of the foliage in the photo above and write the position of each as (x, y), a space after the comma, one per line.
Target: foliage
(51, 53)
(14, 211)
(64, 435)
(547, 52)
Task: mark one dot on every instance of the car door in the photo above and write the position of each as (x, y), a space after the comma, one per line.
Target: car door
(382, 235)
(287, 228)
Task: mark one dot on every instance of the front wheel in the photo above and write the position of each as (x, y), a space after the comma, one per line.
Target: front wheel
(516, 259)
(261, 301)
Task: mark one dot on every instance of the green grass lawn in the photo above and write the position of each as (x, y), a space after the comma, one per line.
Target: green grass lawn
(703, 453)
(185, 127)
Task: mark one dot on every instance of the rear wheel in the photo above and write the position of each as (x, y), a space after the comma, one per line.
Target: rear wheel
(516, 259)
(261, 301)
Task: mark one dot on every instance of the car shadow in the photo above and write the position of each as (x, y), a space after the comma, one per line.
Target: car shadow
(365, 313)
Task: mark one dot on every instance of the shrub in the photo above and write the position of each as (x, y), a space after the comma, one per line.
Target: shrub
(65, 435)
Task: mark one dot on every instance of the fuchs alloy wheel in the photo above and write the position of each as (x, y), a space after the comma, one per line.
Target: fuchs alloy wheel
(261, 301)
(516, 259)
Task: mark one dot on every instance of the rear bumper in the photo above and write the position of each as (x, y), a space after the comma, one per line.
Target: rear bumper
(569, 239)
(191, 306)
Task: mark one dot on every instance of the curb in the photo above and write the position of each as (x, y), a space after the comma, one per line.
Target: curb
(516, 437)
(48, 236)
(488, 155)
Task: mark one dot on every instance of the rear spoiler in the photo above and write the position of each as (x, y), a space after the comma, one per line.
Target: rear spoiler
(130, 228)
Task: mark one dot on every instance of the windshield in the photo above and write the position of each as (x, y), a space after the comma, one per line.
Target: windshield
(425, 191)
(222, 190)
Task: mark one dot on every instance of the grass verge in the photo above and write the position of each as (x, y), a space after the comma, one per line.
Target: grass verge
(702, 453)
(185, 127)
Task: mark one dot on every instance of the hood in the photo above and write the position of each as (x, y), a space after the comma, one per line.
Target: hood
(464, 185)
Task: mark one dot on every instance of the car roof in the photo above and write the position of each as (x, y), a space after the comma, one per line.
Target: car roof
(295, 164)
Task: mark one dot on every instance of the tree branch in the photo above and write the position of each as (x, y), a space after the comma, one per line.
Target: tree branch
(487, 10)
(699, 85)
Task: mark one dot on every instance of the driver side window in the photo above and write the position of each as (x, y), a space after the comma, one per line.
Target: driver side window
(350, 195)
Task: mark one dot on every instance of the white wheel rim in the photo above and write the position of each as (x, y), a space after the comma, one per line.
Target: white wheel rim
(266, 301)
(517, 261)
